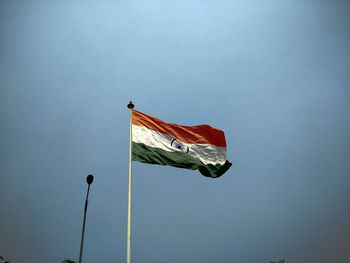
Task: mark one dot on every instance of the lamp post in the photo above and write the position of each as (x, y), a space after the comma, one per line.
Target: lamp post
(89, 180)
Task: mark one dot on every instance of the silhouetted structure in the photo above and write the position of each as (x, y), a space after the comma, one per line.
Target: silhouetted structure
(89, 180)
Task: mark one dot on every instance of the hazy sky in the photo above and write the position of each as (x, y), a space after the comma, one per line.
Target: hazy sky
(274, 75)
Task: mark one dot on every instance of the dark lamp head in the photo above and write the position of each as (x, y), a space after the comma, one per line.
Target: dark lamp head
(89, 179)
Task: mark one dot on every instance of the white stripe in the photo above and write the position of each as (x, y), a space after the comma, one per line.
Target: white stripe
(207, 153)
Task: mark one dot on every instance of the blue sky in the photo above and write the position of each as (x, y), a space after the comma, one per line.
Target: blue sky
(274, 75)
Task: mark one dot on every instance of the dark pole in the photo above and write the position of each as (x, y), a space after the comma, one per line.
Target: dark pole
(89, 180)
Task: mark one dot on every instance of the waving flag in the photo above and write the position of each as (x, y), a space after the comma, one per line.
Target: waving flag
(193, 147)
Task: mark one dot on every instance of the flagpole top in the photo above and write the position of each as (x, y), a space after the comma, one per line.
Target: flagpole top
(130, 105)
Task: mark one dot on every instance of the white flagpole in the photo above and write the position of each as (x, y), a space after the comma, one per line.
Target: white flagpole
(128, 239)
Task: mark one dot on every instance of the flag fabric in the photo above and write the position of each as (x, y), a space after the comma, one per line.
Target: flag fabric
(192, 147)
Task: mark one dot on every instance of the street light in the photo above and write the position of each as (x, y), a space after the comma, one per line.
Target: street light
(89, 180)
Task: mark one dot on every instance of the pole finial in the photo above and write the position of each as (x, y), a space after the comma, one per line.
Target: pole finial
(130, 105)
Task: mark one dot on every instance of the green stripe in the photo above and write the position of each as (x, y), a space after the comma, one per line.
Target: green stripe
(147, 154)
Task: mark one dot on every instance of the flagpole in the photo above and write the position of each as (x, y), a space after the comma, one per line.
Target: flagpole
(128, 239)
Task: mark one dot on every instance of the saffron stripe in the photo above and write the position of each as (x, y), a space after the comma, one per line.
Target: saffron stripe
(200, 134)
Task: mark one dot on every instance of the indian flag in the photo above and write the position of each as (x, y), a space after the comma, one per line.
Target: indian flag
(193, 147)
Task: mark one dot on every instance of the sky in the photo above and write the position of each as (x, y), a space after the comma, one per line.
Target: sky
(273, 75)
